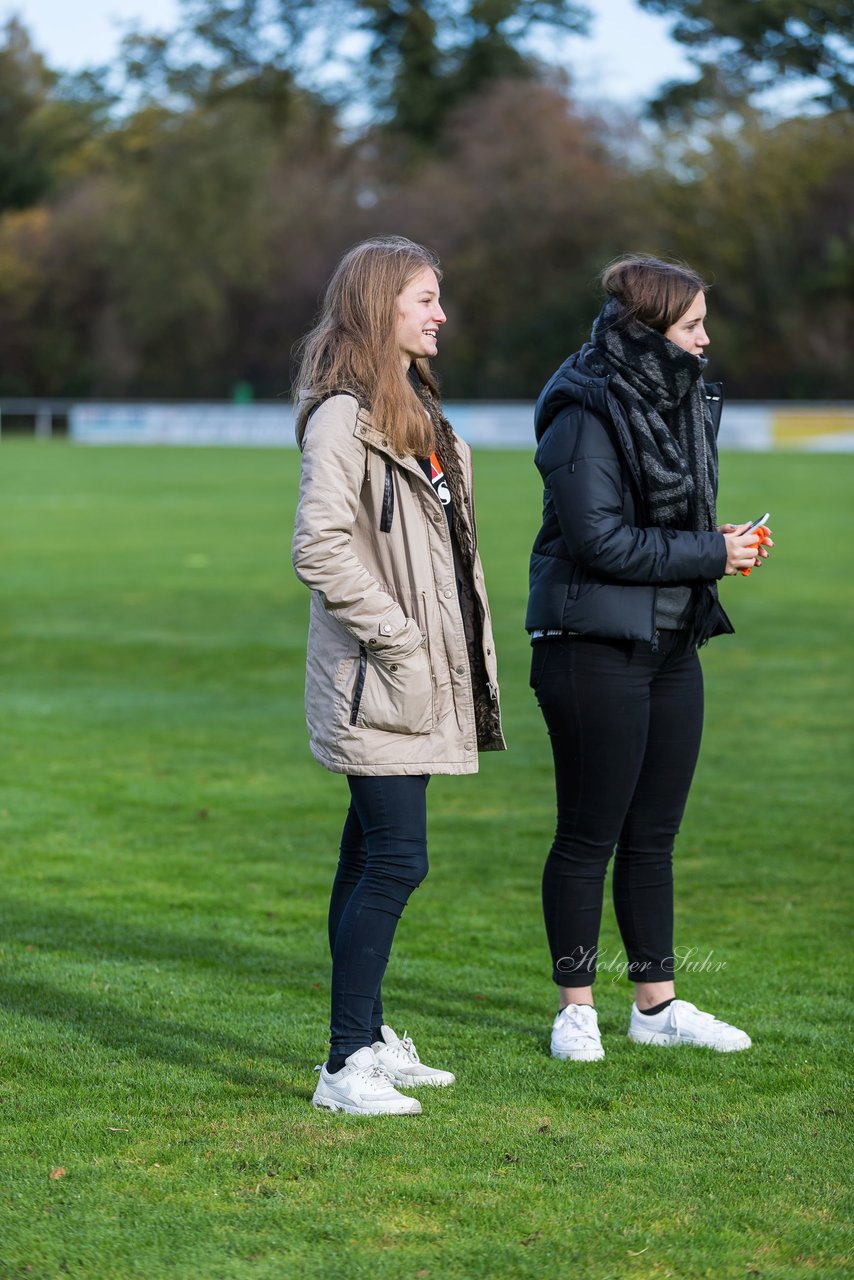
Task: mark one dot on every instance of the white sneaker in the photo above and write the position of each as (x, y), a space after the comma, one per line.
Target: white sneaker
(399, 1058)
(684, 1023)
(575, 1034)
(362, 1088)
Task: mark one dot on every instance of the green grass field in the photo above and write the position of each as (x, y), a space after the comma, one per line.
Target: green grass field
(167, 848)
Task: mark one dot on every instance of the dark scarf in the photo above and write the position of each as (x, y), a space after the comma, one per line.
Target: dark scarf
(450, 459)
(660, 388)
(485, 708)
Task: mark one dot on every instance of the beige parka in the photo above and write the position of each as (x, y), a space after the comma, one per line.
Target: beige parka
(389, 685)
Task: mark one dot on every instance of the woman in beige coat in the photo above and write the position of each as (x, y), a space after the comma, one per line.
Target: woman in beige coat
(401, 676)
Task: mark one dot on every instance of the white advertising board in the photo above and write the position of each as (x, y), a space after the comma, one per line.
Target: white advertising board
(507, 425)
(185, 424)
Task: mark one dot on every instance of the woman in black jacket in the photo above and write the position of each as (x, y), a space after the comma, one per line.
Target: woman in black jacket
(623, 591)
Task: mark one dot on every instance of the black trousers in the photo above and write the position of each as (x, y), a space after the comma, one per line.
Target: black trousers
(383, 859)
(625, 720)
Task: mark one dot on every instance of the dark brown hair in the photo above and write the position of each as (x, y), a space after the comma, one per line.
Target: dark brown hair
(655, 292)
(353, 347)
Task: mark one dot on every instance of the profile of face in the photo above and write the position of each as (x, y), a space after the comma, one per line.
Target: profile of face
(689, 332)
(419, 317)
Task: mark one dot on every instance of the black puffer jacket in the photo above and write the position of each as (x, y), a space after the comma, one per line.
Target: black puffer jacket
(596, 564)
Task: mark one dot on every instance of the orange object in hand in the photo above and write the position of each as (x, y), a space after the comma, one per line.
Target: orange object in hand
(763, 535)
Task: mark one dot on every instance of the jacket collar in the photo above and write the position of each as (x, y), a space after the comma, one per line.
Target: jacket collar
(574, 383)
(368, 433)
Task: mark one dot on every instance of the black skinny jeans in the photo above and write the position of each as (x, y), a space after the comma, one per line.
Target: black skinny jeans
(383, 859)
(625, 720)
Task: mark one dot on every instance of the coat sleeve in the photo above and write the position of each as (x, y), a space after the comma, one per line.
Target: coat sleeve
(331, 478)
(585, 477)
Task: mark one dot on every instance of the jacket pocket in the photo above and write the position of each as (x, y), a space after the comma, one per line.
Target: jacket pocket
(581, 581)
(395, 697)
(361, 672)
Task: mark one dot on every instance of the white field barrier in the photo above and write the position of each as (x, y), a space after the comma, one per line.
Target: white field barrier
(508, 425)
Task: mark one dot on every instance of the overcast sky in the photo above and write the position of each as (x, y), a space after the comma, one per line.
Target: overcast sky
(628, 55)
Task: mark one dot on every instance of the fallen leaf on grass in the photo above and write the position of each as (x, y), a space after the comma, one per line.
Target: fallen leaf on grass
(56, 1173)
(632, 1253)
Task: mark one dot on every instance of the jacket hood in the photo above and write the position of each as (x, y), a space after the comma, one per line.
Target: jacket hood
(307, 401)
(573, 383)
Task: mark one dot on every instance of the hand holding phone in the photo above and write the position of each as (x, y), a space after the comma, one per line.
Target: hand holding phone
(759, 527)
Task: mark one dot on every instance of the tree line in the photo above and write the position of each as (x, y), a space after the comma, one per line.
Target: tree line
(167, 225)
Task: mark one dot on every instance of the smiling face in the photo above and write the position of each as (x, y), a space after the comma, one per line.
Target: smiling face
(419, 317)
(689, 332)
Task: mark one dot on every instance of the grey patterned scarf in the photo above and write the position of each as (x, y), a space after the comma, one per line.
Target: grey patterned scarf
(660, 388)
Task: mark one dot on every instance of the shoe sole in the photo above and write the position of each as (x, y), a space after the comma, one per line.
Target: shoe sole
(669, 1042)
(326, 1104)
(406, 1082)
(586, 1055)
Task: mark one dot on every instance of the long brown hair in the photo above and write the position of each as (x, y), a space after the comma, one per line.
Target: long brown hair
(353, 347)
(653, 291)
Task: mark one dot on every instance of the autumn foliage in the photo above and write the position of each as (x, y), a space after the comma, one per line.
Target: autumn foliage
(178, 247)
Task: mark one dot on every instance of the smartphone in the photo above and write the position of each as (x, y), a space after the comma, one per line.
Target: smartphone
(758, 523)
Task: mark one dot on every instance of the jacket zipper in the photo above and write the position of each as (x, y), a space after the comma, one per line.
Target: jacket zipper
(360, 683)
(387, 513)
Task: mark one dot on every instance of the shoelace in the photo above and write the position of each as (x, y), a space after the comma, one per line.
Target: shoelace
(367, 1073)
(579, 1022)
(409, 1048)
(691, 1010)
(376, 1072)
